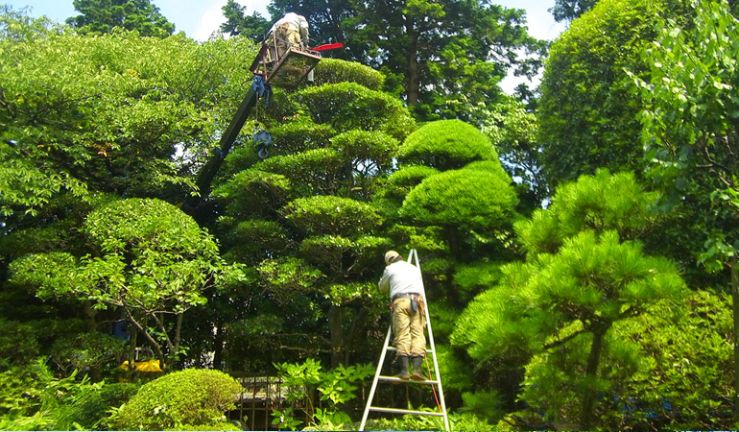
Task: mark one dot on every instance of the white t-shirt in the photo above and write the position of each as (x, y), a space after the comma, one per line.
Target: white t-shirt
(401, 278)
(296, 20)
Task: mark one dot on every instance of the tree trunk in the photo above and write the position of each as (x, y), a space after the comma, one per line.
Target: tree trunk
(591, 373)
(412, 83)
(218, 341)
(337, 336)
(735, 301)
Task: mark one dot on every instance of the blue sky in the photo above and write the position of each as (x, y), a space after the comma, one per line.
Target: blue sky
(199, 18)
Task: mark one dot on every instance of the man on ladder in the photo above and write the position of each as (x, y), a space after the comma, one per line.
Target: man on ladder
(404, 282)
(405, 285)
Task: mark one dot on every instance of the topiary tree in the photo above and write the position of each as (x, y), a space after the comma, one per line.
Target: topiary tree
(195, 398)
(303, 221)
(451, 200)
(446, 144)
(582, 276)
(333, 71)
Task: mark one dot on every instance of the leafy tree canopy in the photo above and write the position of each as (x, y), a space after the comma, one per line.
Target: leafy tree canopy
(102, 16)
(253, 26)
(568, 10)
(446, 58)
(586, 112)
(566, 298)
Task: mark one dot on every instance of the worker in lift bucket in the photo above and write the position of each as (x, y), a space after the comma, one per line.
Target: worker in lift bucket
(290, 31)
(405, 286)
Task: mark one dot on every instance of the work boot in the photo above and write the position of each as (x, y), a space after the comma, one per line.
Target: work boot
(418, 369)
(404, 374)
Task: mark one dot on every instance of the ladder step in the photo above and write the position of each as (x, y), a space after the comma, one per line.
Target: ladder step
(392, 348)
(395, 379)
(405, 411)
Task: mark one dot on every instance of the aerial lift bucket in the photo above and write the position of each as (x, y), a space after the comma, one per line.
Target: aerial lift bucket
(287, 71)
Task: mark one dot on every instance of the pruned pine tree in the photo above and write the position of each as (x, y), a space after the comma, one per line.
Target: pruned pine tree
(452, 201)
(303, 221)
(584, 273)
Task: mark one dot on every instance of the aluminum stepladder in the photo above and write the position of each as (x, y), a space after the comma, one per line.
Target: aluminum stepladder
(436, 381)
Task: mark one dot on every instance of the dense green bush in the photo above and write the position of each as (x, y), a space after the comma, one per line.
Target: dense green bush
(295, 137)
(91, 407)
(467, 199)
(332, 71)
(88, 353)
(188, 397)
(587, 111)
(446, 144)
(347, 106)
(331, 215)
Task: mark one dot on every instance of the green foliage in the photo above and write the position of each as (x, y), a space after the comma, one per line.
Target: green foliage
(219, 426)
(586, 111)
(469, 198)
(18, 341)
(254, 192)
(331, 215)
(254, 239)
(335, 388)
(562, 303)
(110, 113)
(87, 353)
(187, 397)
(568, 10)
(599, 203)
(684, 359)
(253, 26)
(514, 132)
(471, 279)
(446, 144)
(690, 125)
(102, 16)
(347, 106)
(32, 397)
(445, 57)
(333, 71)
(298, 136)
(457, 422)
(372, 150)
(146, 257)
(287, 277)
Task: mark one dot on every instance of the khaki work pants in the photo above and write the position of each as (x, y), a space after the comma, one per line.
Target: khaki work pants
(408, 328)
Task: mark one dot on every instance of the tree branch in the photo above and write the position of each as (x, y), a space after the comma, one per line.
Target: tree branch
(564, 340)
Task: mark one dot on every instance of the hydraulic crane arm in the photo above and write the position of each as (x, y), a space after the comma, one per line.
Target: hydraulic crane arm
(210, 169)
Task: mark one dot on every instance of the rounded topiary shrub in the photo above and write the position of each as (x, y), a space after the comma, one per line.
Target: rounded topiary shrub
(331, 71)
(445, 145)
(467, 199)
(346, 106)
(188, 397)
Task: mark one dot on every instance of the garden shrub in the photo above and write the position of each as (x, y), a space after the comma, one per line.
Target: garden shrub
(445, 145)
(191, 396)
(347, 106)
(332, 71)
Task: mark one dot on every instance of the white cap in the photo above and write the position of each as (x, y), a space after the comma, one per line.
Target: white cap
(390, 256)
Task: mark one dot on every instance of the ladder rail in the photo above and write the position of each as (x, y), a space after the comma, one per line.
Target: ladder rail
(376, 379)
(412, 256)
